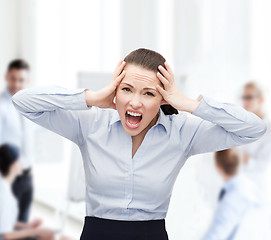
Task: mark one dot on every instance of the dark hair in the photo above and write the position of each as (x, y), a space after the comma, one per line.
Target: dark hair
(8, 155)
(19, 64)
(228, 160)
(149, 60)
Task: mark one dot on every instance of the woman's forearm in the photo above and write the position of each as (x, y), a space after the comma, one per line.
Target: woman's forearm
(54, 108)
(90, 98)
(221, 126)
(231, 117)
(186, 104)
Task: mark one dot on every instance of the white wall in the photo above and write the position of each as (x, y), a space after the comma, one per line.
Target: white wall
(8, 35)
(260, 39)
(139, 25)
(17, 34)
(27, 41)
(212, 46)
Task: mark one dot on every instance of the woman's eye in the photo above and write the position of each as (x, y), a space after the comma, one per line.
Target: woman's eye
(150, 94)
(126, 89)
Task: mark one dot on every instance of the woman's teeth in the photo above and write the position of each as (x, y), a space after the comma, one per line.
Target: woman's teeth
(134, 114)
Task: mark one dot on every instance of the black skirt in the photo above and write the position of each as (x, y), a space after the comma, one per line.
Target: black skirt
(107, 229)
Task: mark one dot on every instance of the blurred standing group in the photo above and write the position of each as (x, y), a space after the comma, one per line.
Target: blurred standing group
(15, 129)
(16, 183)
(257, 155)
(16, 164)
(244, 202)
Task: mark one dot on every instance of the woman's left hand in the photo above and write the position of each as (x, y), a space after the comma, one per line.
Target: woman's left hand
(171, 94)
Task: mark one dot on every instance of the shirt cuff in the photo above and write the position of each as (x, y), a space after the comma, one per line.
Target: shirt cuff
(200, 108)
(79, 100)
(209, 109)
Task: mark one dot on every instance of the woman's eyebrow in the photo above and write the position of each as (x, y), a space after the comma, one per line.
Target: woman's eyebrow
(148, 88)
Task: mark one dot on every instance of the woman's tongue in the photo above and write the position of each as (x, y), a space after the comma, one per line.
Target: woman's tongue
(134, 119)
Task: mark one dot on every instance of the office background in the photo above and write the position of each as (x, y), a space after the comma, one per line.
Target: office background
(214, 47)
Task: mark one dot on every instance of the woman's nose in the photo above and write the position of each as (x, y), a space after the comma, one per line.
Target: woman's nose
(136, 102)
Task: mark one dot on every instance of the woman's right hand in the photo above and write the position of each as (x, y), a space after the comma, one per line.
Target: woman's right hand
(104, 98)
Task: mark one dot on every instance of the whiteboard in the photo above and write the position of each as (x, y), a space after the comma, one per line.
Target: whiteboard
(94, 81)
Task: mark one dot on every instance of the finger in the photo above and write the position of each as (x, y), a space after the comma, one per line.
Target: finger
(164, 72)
(119, 78)
(163, 79)
(116, 82)
(113, 85)
(119, 68)
(161, 91)
(169, 68)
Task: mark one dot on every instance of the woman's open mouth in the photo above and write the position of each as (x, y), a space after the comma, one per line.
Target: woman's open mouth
(133, 119)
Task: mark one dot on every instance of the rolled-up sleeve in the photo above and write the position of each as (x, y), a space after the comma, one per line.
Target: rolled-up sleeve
(54, 108)
(222, 125)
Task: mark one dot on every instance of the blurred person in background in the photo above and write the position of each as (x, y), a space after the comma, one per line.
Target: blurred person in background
(240, 214)
(135, 127)
(16, 130)
(10, 228)
(257, 155)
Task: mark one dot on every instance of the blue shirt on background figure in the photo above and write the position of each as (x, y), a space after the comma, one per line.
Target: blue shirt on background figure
(241, 212)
